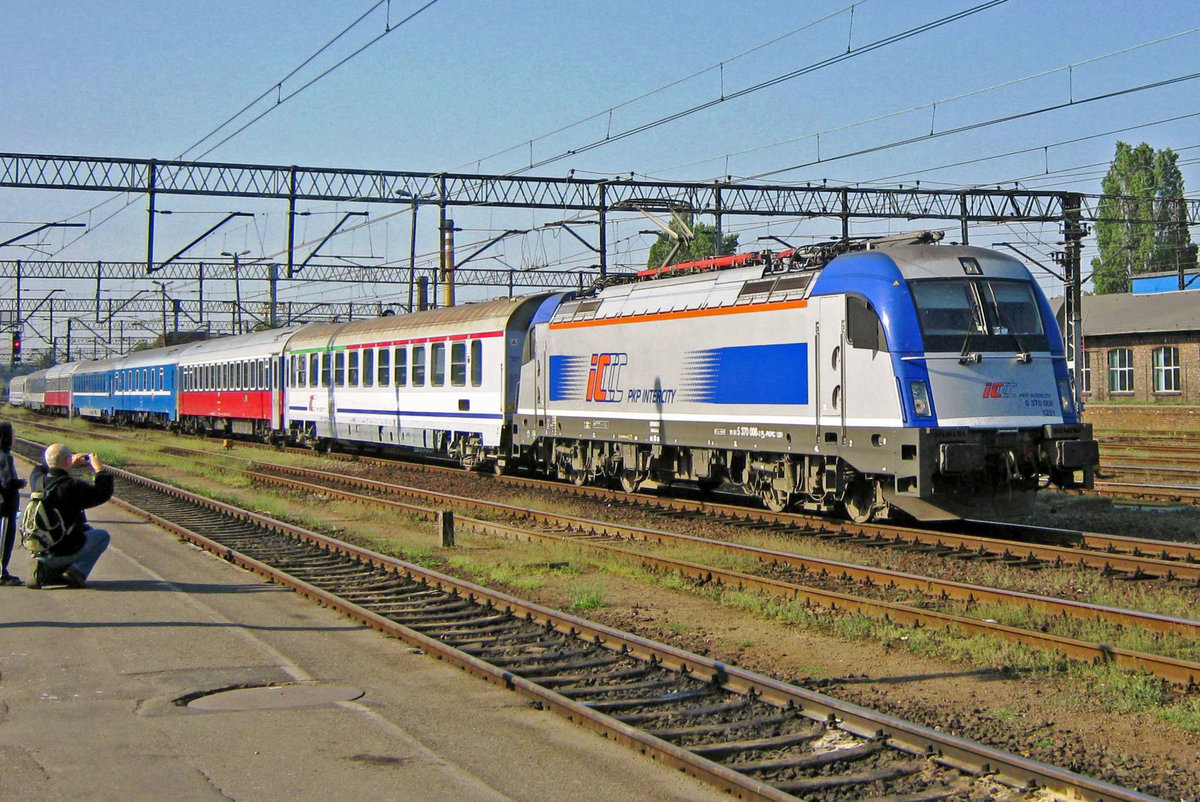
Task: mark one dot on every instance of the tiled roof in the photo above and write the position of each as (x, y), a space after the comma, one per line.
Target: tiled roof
(1124, 313)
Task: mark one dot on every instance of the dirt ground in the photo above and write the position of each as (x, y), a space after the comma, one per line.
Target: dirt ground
(1040, 717)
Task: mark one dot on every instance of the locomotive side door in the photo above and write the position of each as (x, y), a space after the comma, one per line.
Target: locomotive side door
(829, 393)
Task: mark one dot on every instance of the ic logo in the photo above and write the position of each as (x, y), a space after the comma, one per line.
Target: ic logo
(996, 390)
(604, 378)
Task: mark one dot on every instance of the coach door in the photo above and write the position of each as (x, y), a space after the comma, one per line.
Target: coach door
(830, 356)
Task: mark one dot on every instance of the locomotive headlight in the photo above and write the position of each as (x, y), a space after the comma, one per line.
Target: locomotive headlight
(920, 397)
(1066, 396)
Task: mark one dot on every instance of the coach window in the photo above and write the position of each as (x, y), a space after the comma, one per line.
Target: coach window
(301, 378)
(437, 364)
(418, 366)
(400, 369)
(1120, 370)
(476, 363)
(339, 369)
(314, 369)
(262, 375)
(326, 369)
(352, 368)
(384, 367)
(458, 364)
(1166, 369)
(368, 367)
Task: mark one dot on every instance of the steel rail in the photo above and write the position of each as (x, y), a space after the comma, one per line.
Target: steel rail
(950, 750)
(1183, 673)
(1174, 560)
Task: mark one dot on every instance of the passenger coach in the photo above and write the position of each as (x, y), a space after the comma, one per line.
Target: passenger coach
(443, 380)
(233, 385)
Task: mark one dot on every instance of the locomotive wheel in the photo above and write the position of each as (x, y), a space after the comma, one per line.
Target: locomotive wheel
(775, 500)
(628, 481)
(860, 502)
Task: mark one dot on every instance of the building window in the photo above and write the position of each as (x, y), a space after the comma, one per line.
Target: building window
(1087, 372)
(1166, 369)
(1120, 370)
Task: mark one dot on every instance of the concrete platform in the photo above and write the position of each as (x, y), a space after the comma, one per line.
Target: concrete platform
(88, 678)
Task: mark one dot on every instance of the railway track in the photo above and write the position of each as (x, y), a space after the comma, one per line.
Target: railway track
(1114, 555)
(818, 581)
(1131, 557)
(807, 578)
(754, 737)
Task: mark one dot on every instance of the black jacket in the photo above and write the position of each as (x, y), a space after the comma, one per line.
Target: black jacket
(10, 484)
(71, 496)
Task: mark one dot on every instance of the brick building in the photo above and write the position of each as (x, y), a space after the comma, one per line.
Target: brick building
(1140, 348)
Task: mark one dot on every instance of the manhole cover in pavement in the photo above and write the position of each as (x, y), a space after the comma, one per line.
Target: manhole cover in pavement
(275, 697)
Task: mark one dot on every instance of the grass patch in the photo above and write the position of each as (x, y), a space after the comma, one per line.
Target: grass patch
(582, 599)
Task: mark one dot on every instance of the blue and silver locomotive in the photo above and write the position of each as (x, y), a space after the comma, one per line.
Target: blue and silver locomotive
(888, 375)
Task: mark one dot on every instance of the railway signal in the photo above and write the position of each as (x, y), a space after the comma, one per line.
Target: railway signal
(16, 347)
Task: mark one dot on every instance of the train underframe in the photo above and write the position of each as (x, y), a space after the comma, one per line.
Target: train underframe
(924, 474)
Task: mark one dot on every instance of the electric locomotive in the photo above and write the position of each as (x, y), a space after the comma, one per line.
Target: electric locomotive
(875, 377)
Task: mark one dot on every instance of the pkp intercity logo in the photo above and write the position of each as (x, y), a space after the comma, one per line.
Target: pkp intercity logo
(604, 378)
(1000, 390)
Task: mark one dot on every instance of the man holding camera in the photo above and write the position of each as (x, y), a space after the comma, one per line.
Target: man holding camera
(71, 559)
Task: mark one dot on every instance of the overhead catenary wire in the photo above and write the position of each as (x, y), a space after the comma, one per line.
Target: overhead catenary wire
(778, 79)
(388, 29)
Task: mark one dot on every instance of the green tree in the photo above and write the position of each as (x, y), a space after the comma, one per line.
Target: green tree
(1143, 219)
(702, 245)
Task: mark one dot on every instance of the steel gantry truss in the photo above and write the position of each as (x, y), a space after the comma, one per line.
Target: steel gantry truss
(600, 196)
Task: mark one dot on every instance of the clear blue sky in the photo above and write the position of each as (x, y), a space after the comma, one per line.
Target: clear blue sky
(467, 85)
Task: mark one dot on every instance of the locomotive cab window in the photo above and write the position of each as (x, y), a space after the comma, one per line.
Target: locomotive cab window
(965, 315)
(863, 326)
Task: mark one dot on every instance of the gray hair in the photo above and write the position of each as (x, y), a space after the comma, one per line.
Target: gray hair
(58, 456)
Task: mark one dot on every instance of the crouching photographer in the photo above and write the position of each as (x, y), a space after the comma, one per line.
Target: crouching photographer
(70, 559)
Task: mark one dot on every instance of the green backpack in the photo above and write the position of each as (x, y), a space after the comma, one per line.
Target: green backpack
(42, 526)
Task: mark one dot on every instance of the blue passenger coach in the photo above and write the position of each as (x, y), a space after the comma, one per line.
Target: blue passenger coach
(145, 387)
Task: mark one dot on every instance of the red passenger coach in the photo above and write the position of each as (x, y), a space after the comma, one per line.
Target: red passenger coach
(232, 386)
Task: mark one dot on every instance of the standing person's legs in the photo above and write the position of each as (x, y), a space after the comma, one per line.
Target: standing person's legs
(8, 536)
